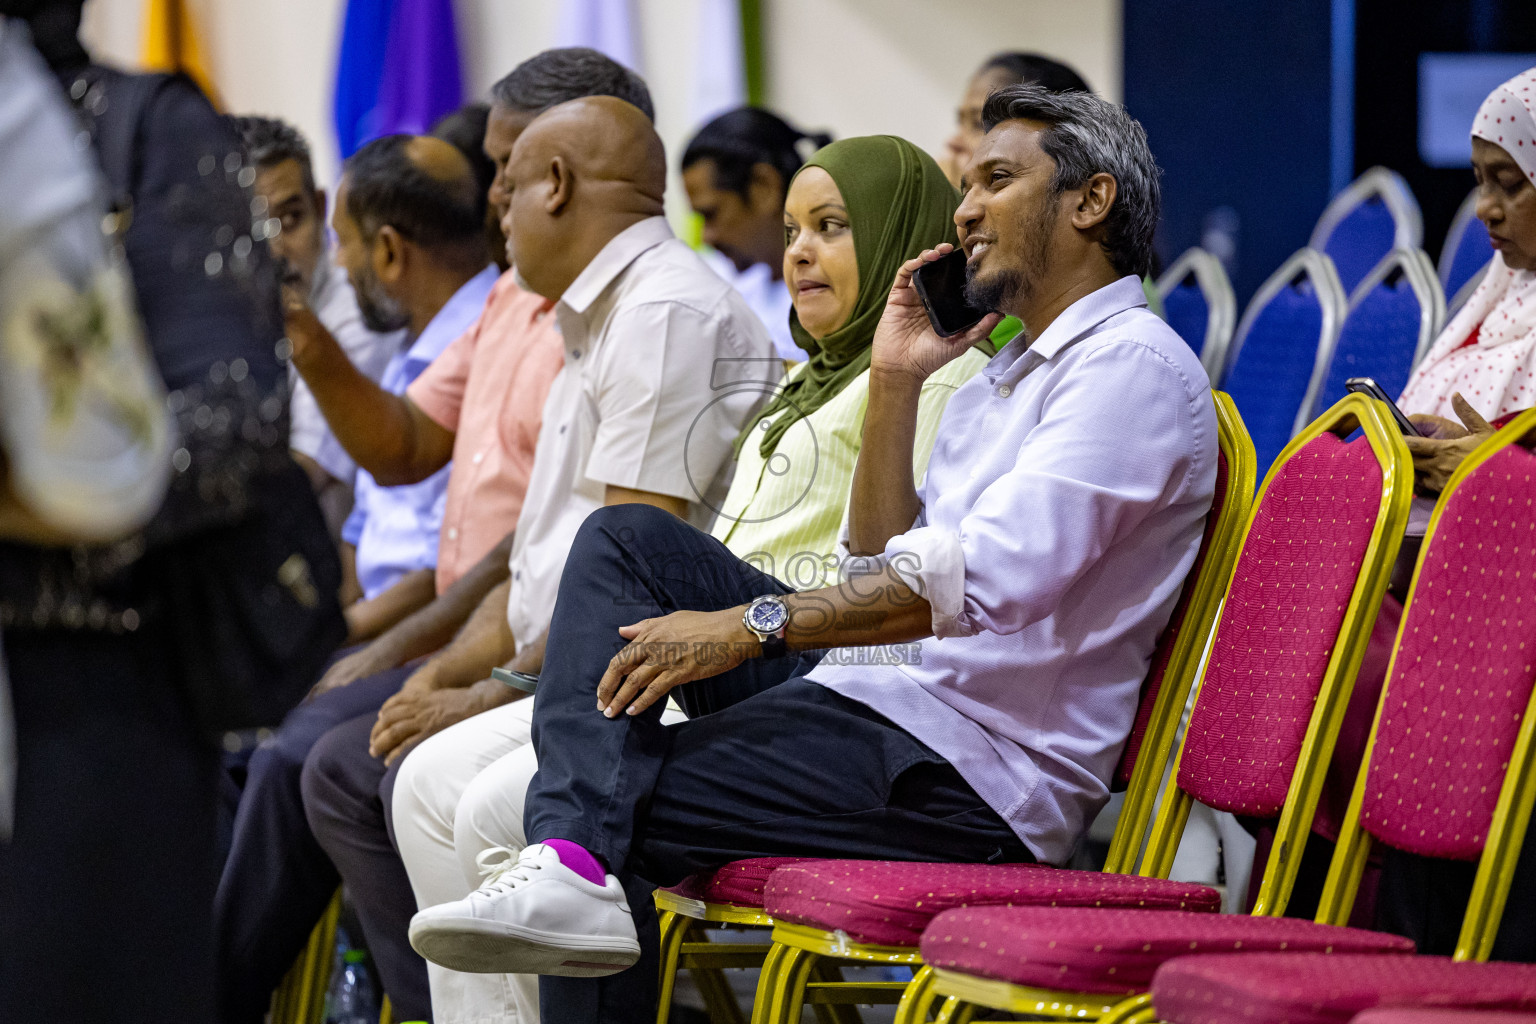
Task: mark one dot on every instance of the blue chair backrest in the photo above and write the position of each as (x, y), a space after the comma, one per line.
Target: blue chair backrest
(1187, 312)
(1360, 241)
(1199, 305)
(1297, 311)
(1389, 322)
(1467, 248)
(1374, 215)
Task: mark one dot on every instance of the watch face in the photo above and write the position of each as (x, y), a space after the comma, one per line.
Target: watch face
(768, 616)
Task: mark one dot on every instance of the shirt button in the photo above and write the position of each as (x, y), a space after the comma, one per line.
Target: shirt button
(1004, 391)
(576, 353)
(479, 458)
(453, 533)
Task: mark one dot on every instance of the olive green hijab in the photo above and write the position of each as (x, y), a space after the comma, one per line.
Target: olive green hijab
(899, 203)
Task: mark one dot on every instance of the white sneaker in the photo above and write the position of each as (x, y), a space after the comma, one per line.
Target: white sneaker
(533, 915)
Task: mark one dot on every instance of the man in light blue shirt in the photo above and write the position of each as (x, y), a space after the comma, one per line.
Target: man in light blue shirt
(394, 529)
(979, 677)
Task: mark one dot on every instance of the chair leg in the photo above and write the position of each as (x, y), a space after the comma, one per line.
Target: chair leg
(827, 1013)
(955, 1011)
(719, 1001)
(673, 929)
(386, 1012)
(917, 999)
(781, 988)
(767, 979)
(300, 997)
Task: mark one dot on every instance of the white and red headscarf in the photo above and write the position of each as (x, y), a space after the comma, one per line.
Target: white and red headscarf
(1496, 374)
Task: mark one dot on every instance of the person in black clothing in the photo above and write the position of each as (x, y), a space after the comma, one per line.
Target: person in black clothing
(106, 887)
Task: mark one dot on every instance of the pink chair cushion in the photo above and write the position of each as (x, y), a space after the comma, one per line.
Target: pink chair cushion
(1085, 949)
(1464, 669)
(1292, 583)
(1311, 988)
(1153, 684)
(1430, 1015)
(889, 903)
(740, 883)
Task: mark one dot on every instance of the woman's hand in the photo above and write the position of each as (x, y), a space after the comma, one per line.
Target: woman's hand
(1446, 444)
(667, 652)
(905, 343)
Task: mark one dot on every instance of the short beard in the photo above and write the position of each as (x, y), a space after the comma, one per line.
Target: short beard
(1012, 287)
(381, 313)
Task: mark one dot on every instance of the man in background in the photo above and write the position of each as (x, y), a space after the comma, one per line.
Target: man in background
(285, 180)
(464, 129)
(737, 171)
(641, 415)
(409, 220)
(481, 404)
(1002, 69)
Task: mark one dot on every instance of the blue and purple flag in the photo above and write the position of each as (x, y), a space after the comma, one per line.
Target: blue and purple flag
(398, 69)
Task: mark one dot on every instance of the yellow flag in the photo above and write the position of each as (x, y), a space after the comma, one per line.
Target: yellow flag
(171, 43)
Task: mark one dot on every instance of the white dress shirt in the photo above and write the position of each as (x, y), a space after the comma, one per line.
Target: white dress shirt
(335, 306)
(769, 299)
(1063, 506)
(663, 366)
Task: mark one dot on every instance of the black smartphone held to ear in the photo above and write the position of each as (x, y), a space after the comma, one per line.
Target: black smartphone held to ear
(1368, 387)
(941, 287)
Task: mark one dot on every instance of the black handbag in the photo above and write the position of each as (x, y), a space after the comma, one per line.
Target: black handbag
(236, 574)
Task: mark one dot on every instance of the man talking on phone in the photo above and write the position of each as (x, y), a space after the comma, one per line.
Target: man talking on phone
(965, 699)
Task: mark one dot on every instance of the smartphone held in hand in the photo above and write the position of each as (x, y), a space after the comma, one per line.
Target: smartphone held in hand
(941, 288)
(1369, 388)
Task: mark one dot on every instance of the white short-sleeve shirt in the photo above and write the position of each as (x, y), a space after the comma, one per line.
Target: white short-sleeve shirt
(664, 363)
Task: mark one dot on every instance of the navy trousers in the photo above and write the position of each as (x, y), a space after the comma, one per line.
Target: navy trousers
(277, 879)
(348, 797)
(769, 763)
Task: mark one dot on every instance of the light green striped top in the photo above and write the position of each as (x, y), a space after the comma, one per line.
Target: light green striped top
(784, 514)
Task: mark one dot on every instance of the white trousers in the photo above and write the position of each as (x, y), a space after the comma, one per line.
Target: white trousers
(459, 793)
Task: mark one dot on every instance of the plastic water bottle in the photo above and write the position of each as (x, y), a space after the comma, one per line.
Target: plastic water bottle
(352, 998)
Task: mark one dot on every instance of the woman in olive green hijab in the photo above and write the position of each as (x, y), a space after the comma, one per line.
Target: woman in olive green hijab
(853, 214)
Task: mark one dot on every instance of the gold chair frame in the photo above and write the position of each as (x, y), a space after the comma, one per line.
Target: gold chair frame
(1506, 833)
(300, 996)
(960, 991)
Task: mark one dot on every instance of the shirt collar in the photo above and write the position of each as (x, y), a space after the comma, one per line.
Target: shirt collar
(622, 250)
(1022, 354)
(456, 315)
(321, 279)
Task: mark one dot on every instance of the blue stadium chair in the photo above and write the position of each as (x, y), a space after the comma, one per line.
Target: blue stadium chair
(1281, 346)
(1375, 214)
(1394, 316)
(1465, 255)
(1199, 305)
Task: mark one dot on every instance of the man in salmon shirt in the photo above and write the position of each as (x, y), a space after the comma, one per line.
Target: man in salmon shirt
(478, 404)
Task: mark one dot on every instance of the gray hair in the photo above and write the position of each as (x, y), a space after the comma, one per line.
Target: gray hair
(1087, 135)
(557, 76)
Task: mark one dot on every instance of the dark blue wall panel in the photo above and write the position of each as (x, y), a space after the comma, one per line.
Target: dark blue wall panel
(1235, 97)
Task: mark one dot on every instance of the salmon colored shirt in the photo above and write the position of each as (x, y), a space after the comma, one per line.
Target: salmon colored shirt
(489, 387)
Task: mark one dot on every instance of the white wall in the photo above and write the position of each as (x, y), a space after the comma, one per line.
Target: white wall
(855, 67)
(898, 67)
